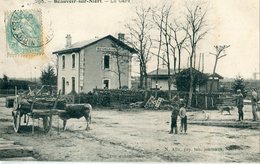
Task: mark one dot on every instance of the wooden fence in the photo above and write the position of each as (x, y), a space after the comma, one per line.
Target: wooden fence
(6, 92)
(125, 97)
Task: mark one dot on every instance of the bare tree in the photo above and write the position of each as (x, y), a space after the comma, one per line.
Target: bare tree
(121, 57)
(180, 40)
(139, 29)
(168, 46)
(195, 29)
(158, 20)
(220, 53)
(162, 21)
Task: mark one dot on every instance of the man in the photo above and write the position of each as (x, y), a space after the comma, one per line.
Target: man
(254, 100)
(240, 105)
(174, 116)
(183, 116)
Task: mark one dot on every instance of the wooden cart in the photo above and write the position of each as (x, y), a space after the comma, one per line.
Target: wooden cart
(34, 107)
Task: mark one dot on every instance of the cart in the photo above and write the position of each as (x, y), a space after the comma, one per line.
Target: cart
(35, 106)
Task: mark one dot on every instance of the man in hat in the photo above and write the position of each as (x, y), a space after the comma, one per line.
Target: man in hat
(240, 105)
(254, 100)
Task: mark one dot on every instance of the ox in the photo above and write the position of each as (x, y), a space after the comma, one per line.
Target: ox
(76, 111)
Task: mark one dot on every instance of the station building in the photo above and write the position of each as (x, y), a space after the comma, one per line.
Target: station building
(95, 63)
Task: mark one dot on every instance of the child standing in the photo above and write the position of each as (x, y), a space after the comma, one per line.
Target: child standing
(183, 116)
(174, 117)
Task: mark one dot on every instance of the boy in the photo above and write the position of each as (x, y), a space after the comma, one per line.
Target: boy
(174, 117)
(183, 116)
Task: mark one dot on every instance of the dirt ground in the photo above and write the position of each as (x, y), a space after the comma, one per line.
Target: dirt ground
(138, 136)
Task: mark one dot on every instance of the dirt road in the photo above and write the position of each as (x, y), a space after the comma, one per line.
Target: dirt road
(136, 136)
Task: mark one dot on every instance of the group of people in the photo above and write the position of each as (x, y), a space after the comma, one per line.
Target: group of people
(178, 110)
(240, 104)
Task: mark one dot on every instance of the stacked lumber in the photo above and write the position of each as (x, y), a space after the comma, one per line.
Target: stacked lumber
(153, 103)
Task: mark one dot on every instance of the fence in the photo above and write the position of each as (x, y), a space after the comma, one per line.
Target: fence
(211, 101)
(109, 98)
(117, 97)
(6, 92)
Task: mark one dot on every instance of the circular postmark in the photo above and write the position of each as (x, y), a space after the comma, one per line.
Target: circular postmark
(26, 27)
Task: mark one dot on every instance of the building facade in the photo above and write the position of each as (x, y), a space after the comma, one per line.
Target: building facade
(212, 80)
(96, 63)
(160, 80)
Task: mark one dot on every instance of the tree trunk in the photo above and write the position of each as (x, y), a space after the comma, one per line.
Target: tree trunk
(169, 77)
(191, 87)
(191, 76)
(141, 77)
(169, 88)
(179, 61)
(214, 72)
(145, 85)
(119, 72)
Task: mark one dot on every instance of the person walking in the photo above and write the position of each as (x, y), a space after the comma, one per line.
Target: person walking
(174, 117)
(240, 105)
(254, 100)
(183, 116)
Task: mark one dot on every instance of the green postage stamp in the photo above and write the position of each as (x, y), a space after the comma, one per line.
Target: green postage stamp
(24, 32)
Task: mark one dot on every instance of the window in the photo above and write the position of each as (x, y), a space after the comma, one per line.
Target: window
(63, 86)
(73, 60)
(105, 84)
(63, 62)
(73, 83)
(106, 62)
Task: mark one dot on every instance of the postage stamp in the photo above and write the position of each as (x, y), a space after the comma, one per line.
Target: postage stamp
(24, 32)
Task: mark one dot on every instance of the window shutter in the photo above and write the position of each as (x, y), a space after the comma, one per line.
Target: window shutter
(110, 59)
(102, 62)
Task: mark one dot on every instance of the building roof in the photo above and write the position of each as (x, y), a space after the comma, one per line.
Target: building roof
(83, 44)
(216, 75)
(161, 72)
(164, 73)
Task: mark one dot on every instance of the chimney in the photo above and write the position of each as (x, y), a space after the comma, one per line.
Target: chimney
(68, 40)
(121, 37)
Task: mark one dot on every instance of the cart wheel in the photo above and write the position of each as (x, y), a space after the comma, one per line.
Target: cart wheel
(46, 123)
(16, 120)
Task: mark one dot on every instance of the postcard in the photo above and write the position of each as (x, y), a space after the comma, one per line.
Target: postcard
(129, 81)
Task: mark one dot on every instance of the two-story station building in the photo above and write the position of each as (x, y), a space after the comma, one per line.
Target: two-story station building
(95, 63)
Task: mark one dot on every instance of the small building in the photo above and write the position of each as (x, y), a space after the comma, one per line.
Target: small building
(160, 80)
(212, 80)
(95, 63)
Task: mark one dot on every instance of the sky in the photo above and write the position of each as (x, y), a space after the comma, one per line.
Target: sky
(231, 22)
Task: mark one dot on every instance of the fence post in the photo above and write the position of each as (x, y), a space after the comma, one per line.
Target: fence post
(15, 90)
(212, 102)
(206, 101)
(196, 100)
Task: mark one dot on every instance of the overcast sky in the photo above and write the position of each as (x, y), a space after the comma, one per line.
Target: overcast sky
(232, 22)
